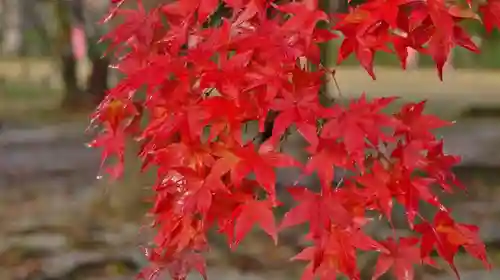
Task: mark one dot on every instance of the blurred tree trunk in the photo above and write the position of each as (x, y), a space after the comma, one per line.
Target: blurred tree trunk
(328, 50)
(11, 25)
(97, 83)
(69, 75)
(73, 95)
(26, 9)
(2, 23)
(72, 13)
(36, 39)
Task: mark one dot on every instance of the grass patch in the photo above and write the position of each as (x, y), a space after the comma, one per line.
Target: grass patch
(22, 91)
(34, 103)
(21, 98)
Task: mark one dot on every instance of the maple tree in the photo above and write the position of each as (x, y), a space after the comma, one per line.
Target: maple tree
(199, 85)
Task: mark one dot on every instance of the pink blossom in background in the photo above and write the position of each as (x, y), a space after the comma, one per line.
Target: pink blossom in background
(78, 42)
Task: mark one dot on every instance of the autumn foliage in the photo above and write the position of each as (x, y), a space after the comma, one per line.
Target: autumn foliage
(199, 83)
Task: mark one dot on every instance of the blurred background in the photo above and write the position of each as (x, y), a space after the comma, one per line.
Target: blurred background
(59, 221)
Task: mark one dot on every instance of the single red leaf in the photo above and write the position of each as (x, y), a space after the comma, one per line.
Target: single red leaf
(377, 185)
(385, 10)
(311, 209)
(415, 125)
(177, 267)
(241, 161)
(439, 166)
(411, 154)
(305, 17)
(251, 213)
(112, 144)
(361, 121)
(328, 156)
(447, 236)
(439, 48)
(461, 38)
(401, 256)
(336, 253)
(490, 11)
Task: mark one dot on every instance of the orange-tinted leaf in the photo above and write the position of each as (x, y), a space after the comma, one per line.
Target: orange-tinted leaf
(446, 236)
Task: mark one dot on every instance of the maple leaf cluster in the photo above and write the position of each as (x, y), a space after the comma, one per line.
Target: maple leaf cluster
(199, 86)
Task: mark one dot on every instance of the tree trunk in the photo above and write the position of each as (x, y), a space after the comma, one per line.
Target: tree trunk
(335, 6)
(36, 40)
(73, 95)
(26, 27)
(328, 53)
(97, 83)
(98, 80)
(11, 21)
(69, 76)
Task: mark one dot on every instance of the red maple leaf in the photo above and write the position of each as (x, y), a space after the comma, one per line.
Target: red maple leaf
(439, 166)
(410, 190)
(360, 122)
(366, 31)
(335, 253)
(230, 119)
(112, 144)
(447, 236)
(311, 209)
(305, 17)
(328, 153)
(490, 11)
(401, 256)
(243, 160)
(300, 106)
(246, 215)
(416, 125)
(376, 186)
